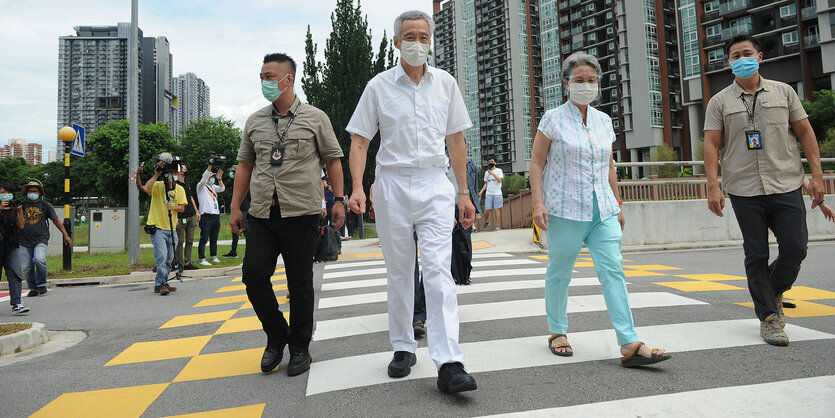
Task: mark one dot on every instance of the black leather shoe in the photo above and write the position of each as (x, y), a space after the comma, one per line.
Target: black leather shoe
(452, 378)
(299, 363)
(272, 355)
(401, 364)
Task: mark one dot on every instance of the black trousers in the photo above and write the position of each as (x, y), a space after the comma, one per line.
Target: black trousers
(785, 215)
(293, 238)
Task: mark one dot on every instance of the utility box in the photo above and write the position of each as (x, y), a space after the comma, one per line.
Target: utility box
(108, 229)
(55, 246)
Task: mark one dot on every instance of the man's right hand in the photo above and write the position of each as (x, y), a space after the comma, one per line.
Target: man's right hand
(356, 203)
(236, 221)
(716, 200)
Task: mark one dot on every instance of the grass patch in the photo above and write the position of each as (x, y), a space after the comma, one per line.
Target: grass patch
(8, 329)
(116, 264)
(81, 233)
(368, 233)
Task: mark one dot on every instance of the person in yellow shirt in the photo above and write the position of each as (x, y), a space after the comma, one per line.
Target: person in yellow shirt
(167, 197)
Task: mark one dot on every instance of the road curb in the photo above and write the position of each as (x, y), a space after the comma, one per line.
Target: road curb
(137, 277)
(24, 340)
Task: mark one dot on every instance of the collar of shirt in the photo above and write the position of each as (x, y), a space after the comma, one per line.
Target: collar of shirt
(400, 72)
(293, 108)
(738, 90)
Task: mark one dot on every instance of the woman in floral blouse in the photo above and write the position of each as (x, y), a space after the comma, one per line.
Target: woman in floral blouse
(576, 200)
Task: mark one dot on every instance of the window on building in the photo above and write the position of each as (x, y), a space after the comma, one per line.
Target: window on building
(788, 10)
(613, 77)
(593, 51)
(612, 62)
(790, 38)
(610, 30)
(592, 37)
(608, 15)
(716, 55)
(711, 5)
(714, 30)
(611, 46)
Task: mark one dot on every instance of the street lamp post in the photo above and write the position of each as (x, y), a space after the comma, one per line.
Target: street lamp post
(67, 135)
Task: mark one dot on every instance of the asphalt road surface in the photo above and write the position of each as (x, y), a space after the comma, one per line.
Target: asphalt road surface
(198, 349)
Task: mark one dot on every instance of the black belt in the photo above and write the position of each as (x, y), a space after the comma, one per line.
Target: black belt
(209, 215)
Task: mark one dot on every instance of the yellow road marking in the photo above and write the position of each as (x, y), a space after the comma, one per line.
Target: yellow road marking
(247, 323)
(239, 287)
(652, 267)
(230, 363)
(698, 286)
(251, 411)
(641, 273)
(221, 301)
(122, 402)
(280, 299)
(203, 318)
(711, 277)
(583, 264)
(540, 257)
(803, 310)
(808, 293)
(161, 350)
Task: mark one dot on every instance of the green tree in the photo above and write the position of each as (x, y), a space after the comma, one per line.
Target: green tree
(15, 171)
(210, 135)
(108, 153)
(513, 183)
(664, 153)
(310, 80)
(821, 112)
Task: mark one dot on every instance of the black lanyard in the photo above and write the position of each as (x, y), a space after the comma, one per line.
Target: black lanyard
(753, 106)
(281, 135)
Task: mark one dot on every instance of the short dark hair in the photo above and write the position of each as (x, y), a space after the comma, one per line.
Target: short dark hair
(492, 157)
(281, 59)
(742, 38)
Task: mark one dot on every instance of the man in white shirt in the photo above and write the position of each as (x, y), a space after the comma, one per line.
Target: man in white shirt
(417, 109)
(207, 192)
(493, 203)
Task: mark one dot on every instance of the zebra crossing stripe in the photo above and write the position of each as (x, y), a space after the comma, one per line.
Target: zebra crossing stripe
(486, 356)
(382, 270)
(365, 324)
(810, 397)
(463, 290)
(337, 266)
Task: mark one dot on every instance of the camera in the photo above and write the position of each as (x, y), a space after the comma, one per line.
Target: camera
(491, 165)
(14, 203)
(167, 163)
(217, 161)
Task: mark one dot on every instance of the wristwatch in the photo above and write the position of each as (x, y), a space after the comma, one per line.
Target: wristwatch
(338, 199)
(464, 192)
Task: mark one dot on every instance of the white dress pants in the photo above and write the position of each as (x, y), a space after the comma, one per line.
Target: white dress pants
(421, 200)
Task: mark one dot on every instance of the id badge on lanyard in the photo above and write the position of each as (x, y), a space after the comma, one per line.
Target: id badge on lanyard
(753, 137)
(277, 153)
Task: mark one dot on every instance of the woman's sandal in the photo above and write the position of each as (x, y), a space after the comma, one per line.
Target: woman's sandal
(634, 360)
(560, 345)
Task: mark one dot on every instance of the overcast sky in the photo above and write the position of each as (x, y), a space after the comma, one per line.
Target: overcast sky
(221, 41)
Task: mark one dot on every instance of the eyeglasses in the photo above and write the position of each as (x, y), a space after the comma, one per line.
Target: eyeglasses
(592, 80)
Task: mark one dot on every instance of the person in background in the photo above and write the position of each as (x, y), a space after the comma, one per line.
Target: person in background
(34, 237)
(11, 222)
(207, 192)
(493, 201)
(233, 252)
(186, 225)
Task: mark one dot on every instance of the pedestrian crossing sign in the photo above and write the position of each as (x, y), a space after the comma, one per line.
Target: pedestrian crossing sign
(79, 144)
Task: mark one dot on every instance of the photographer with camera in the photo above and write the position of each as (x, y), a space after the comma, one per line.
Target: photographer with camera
(11, 221)
(186, 224)
(167, 200)
(34, 237)
(207, 190)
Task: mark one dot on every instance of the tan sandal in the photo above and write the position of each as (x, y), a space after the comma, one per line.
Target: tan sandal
(633, 359)
(560, 345)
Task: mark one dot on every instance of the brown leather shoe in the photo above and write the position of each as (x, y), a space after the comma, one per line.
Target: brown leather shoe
(163, 290)
(156, 289)
(172, 288)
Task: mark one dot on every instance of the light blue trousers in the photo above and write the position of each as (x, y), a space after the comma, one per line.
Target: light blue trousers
(603, 239)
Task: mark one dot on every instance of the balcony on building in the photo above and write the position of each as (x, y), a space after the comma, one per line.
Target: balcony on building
(563, 5)
(573, 3)
(711, 15)
(715, 65)
(743, 29)
(712, 40)
(565, 49)
(564, 19)
(734, 7)
(565, 34)
(678, 122)
(792, 48)
(809, 12)
(811, 40)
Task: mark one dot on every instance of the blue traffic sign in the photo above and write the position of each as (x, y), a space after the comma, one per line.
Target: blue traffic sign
(79, 144)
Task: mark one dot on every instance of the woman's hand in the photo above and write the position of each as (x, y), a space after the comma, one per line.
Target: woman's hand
(540, 216)
(622, 220)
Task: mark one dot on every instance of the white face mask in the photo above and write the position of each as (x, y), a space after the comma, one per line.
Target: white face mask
(414, 53)
(582, 93)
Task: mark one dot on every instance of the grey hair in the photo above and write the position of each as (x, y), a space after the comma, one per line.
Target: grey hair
(166, 157)
(577, 59)
(413, 15)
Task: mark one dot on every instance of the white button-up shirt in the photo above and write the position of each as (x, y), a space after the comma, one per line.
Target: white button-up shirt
(207, 195)
(413, 119)
(578, 163)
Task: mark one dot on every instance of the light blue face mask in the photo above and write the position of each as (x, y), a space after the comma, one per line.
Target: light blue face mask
(212, 181)
(5, 196)
(232, 175)
(33, 196)
(269, 88)
(745, 67)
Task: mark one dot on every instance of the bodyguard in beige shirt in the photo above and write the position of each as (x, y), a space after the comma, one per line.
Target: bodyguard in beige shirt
(280, 160)
(753, 126)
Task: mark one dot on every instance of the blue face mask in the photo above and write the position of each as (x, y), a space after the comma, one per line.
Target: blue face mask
(270, 89)
(232, 175)
(33, 196)
(212, 181)
(745, 67)
(5, 196)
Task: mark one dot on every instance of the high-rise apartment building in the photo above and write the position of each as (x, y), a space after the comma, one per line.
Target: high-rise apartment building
(795, 49)
(93, 76)
(193, 97)
(158, 82)
(19, 148)
(492, 47)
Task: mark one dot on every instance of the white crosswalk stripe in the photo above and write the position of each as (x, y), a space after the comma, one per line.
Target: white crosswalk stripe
(340, 266)
(382, 270)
